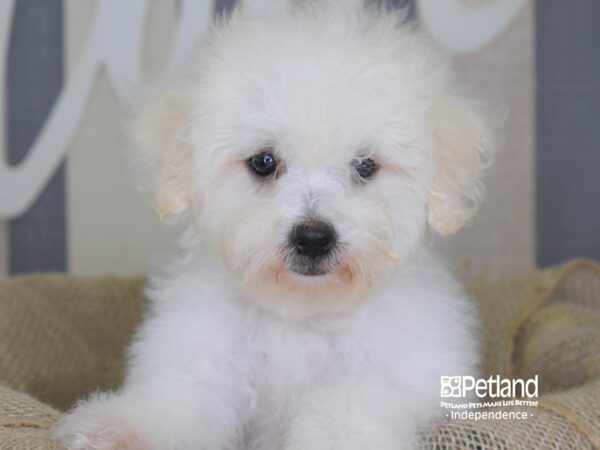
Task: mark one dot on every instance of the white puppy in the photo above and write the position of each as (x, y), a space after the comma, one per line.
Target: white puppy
(305, 156)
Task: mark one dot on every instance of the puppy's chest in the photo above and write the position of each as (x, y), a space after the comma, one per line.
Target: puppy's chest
(287, 357)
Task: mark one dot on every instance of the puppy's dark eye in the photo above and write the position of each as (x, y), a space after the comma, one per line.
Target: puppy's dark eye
(262, 164)
(365, 167)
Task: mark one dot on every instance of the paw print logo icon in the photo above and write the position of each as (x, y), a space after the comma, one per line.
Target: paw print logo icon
(451, 387)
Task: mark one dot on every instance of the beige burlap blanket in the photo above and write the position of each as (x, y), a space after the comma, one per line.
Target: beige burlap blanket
(63, 337)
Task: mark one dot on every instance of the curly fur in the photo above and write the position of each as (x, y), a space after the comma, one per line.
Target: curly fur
(237, 351)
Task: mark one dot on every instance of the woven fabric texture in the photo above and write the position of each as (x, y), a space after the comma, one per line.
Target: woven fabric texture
(63, 337)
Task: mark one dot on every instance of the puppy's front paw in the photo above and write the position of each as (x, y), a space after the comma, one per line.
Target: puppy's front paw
(90, 427)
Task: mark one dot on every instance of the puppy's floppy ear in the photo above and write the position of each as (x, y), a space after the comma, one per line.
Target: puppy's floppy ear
(162, 153)
(462, 150)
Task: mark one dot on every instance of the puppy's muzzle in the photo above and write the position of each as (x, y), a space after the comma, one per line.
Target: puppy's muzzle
(312, 244)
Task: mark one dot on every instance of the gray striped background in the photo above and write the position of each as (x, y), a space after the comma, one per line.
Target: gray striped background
(37, 239)
(568, 130)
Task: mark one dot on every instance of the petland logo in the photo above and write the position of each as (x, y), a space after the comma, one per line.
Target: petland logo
(499, 398)
(493, 387)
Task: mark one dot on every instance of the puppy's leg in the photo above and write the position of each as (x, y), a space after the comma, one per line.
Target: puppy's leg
(183, 391)
(354, 416)
(153, 417)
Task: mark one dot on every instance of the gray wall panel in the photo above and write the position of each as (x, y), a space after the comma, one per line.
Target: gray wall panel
(37, 239)
(568, 130)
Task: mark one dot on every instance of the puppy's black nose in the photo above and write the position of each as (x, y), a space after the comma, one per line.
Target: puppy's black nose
(313, 239)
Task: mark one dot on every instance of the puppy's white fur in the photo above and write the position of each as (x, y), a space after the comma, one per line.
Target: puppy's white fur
(239, 352)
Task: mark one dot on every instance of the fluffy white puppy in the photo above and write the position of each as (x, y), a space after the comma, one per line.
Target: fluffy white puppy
(305, 156)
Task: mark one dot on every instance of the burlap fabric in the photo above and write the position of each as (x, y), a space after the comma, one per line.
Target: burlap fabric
(62, 337)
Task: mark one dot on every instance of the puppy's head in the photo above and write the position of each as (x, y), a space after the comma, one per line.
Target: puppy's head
(310, 150)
